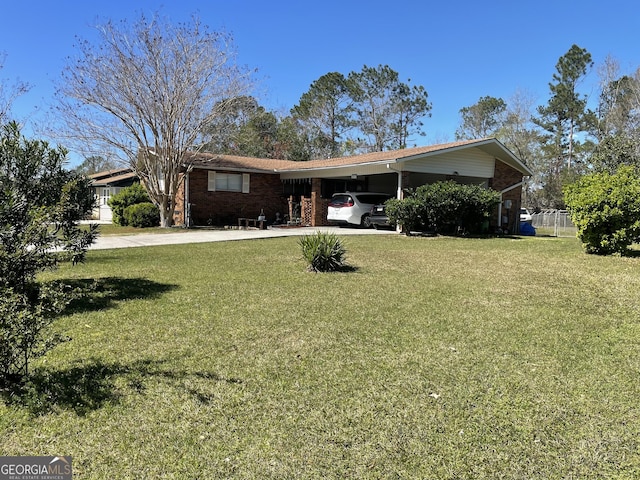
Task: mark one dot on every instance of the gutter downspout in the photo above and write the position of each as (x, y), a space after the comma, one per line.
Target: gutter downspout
(186, 206)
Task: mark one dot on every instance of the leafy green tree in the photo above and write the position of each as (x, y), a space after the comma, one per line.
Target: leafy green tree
(326, 112)
(613, 151)
(293, 142)
(249, 130)
(259, 136)
(605, 208)
(482, 119)
(222, 130)
(264, 135)
(388, 112)
(40, 205)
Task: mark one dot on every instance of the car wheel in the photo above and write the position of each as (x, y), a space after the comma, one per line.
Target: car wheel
(366, 221)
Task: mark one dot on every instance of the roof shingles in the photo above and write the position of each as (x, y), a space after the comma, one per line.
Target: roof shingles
(208, 160)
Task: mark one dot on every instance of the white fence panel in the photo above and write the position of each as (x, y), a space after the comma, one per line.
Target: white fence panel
(554, 222)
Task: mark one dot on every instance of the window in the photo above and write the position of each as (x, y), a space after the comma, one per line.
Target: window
(228, 182)
(105, 195)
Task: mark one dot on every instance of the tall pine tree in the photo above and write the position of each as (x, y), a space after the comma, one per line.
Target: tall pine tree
(563, 119)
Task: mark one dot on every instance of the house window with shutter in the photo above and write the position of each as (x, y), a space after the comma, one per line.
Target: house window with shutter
(228, 182)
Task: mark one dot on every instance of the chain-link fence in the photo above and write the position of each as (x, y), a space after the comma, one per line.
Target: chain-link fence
(553, 222)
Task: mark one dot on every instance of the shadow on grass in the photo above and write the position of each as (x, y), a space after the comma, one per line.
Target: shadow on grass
(102, 293)
(89, 387)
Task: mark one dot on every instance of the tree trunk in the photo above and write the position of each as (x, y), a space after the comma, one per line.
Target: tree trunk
(166, 213)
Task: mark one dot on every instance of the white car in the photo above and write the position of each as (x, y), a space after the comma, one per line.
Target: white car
(525, 216)
(351, 208)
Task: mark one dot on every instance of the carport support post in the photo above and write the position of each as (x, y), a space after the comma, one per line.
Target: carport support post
(316, 198)
(403, 182)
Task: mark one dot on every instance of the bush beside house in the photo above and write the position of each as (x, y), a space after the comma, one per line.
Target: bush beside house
(142, 215)
(133, 195)
(444, 207)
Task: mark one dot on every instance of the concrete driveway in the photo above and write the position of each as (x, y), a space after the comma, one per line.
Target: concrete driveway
(205, 235)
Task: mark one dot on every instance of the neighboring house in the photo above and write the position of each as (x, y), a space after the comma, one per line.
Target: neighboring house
(219, 189)
(105, 185)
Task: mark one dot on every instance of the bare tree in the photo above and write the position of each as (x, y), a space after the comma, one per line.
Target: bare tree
(520, 135)
(146, 91)
(9, 93)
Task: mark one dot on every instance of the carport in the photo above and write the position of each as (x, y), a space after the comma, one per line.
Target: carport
(484, 162)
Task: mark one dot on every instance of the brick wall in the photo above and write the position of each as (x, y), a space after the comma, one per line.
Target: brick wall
(224, 208)
(505, 176)
(319, 205)
(313, 210)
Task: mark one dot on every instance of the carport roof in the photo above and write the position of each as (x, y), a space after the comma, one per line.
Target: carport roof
(112, 177)
(490, 146)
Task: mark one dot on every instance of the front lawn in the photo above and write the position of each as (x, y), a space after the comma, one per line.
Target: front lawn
(109, 229)
(434, 358)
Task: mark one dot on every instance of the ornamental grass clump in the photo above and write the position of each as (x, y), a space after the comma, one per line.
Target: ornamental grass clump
(324, 252)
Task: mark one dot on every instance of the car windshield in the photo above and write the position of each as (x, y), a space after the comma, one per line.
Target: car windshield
(372, 199)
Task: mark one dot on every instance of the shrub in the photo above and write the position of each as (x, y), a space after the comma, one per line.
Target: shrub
(124, 198)
(407, 213)
(25, 327)
(605, 208)
(324, 252)
(40, 205)
(444, 207)
(142, 215)
(451, 206)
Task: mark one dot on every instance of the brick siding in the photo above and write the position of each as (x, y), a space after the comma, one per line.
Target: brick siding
(266, 194)
(224, 208)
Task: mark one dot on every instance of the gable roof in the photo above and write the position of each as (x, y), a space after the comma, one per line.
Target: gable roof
(111, 177)
(109, 173)
(235, 162)
(491, 146)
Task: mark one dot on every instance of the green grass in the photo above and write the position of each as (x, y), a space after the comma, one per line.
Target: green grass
(108, 229)
(434, 358)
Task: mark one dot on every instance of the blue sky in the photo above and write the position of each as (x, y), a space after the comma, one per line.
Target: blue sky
(458, 50)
